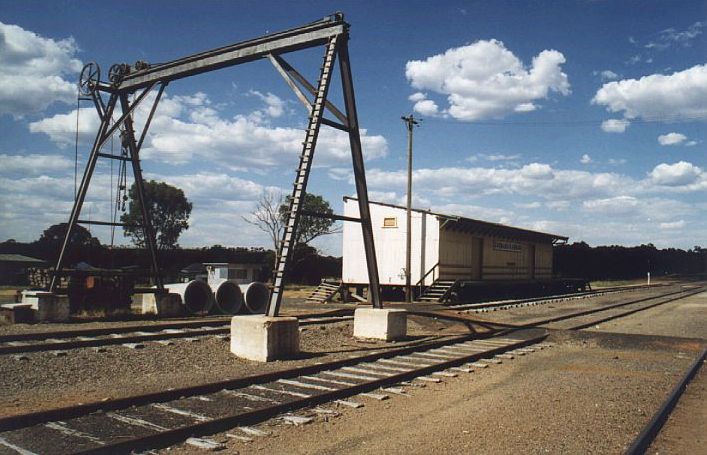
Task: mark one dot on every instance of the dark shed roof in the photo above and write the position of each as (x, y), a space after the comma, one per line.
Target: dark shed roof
(196, 267)
(483, 227)
(20, 259)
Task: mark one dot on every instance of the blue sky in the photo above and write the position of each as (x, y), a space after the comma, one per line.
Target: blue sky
(581, 118)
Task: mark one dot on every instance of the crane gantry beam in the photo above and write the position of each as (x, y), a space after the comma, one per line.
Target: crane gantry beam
(311, 35)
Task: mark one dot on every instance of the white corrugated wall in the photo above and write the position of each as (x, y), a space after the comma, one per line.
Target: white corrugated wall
(390, 245)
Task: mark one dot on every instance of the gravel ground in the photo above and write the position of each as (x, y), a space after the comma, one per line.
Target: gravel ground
(588, 394)
(684, 432)
(86, 324)
(681, 318)
(529, 314)
(593, 392)
(45, 381)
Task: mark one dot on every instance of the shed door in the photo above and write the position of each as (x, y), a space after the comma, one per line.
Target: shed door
(477, 257)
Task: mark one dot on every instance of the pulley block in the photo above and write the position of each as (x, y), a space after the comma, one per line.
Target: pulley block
(89, 78)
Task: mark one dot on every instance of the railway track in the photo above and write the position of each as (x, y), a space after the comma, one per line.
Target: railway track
(587, 318)
(134, 335)
(644, 439)
(508, 304)
(75, 339)
(565, 322)
(164, 418)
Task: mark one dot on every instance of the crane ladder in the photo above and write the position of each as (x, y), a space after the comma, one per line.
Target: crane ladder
(300, 185)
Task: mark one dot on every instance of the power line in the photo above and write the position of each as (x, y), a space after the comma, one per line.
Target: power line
(571, 123)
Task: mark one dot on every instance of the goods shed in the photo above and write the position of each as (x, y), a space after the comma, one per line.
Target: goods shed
(14, 268)
(446, 250)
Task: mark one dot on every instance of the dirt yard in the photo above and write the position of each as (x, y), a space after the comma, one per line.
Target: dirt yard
(590, 393)
(587, 394)
(45, 381)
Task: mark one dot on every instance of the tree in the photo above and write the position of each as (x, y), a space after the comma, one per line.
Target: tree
(310, 227)
(271, 213)
(54, 235)
(168, 209)
(266, 216)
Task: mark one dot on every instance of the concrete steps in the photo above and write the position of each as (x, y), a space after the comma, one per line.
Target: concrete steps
(438, 291)
(324, 292)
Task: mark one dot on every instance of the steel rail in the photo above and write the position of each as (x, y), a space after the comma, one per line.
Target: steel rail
(630, 312)
(155, 327)
(682, 294)
(33, 418)
(72, 333)
(550, 298)
(504, 327)
(644, 439)
(596, 310)
(77, 344)
(317, 319)
(216, 425)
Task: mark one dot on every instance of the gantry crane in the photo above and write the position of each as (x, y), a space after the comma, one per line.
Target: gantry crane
(129, 86)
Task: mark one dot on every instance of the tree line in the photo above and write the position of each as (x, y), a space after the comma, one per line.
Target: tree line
(310, 265)
(170, 210)
(576, 260)
(579, 260)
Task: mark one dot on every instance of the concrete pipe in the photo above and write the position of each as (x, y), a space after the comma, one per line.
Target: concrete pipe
(196, 295)
(228, 298)
(255, 297)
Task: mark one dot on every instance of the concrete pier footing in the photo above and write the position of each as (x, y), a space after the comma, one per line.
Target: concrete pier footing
(163, 305)
(47, 307)
(387, 324)
(264, 338)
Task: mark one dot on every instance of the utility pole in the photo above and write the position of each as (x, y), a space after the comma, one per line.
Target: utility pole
(410, 121)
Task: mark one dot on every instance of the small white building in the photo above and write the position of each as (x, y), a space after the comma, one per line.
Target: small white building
(444, 247)
(235, 273)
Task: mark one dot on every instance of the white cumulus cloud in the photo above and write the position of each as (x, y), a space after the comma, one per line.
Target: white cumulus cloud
(671, 36)
(33, 164)
(678, 96)
(671, 139)
(586, 159)
(188, 128)
(678, 174)
(61, 128)
(673, 225)
(275, 106)
(426, 107)
(486, 80)
(34, 71)
(615, 125)
(608, 75)
(619, 205)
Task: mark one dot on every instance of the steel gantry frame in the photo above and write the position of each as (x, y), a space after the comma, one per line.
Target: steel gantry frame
(140, 79)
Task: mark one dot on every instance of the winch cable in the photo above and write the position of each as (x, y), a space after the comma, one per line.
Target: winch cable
(76, 142)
